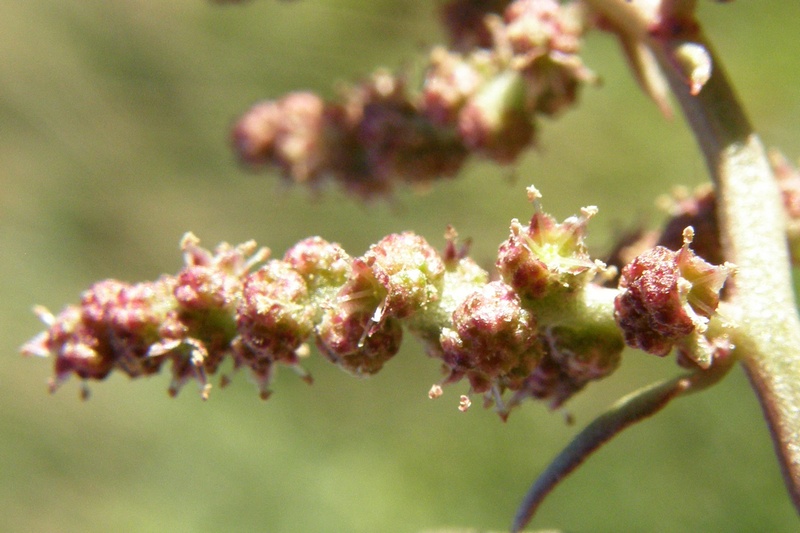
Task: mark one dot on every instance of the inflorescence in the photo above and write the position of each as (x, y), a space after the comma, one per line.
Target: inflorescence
(542, 328)
(483, 99)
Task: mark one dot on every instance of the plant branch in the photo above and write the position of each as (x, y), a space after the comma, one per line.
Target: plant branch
(751, 223)
(632, 408)
(754, 238)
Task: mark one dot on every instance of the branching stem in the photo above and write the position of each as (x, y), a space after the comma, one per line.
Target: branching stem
(753, 235)
(633, 408)
(751, 223)
(753, 238)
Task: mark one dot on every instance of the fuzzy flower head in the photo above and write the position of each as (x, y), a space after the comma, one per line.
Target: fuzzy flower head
(410, 271)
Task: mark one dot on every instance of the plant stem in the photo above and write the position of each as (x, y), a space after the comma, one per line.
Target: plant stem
(753, 236)
(629, 410)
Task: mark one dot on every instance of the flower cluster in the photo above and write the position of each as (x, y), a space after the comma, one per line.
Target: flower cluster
(483, 101)
(667, 300)
(543, 329)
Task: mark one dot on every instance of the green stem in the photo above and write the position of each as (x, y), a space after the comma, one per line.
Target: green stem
(629, 410)
(752, 228)
(753, 235)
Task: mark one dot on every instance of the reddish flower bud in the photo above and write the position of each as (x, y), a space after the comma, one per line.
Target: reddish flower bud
(584, 355)
(288, 133)
(548, 381)
(537, 26)
(273, 317)
(493, 339)
(201, 287)
(666, 297)
(449, 82)
(352, 340)
(319, 262)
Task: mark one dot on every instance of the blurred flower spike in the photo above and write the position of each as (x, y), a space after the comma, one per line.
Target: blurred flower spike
(483, 101)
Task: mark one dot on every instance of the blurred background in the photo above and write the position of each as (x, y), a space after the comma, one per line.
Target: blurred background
(114, 119)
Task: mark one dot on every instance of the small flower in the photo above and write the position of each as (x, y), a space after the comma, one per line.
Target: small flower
(355, 333)
(449, 82)
(410, 271)
(289, 133)
(464, 403)
(495, 122)
(545, 256)
(493, 340)
(352, 340)
(273, 319)
(667, 296)
(548, 381)
(320, 263)
(435, 392)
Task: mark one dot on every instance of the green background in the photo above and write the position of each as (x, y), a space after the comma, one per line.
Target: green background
(113, 143)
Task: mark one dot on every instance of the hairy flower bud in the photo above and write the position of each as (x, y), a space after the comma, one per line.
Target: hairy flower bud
(273, 317)
(322, 264)
(288, 133)
(355, 332)
(666, 297)
(410, 271)
(352, 340)
(493, 339)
